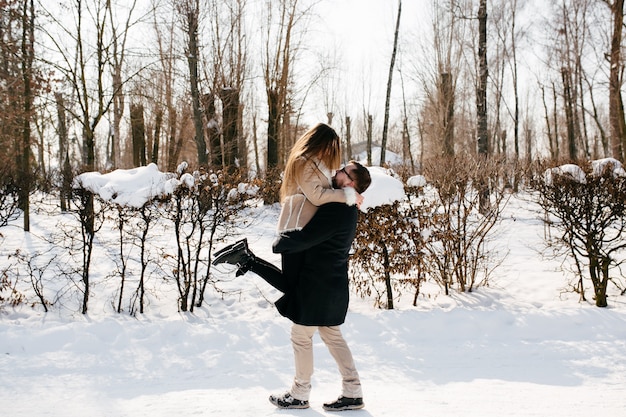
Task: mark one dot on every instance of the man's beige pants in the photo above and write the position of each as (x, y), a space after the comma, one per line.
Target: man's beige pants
(302, 341)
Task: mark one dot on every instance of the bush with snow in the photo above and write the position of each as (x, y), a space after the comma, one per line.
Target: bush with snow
(586, 205)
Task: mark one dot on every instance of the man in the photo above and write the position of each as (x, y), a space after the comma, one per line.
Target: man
(315, 286)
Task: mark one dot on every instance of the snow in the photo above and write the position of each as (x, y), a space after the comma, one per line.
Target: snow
(578, 174)
(520, 347)
(600, 165)
(384, 189)
(130, 187)
(416, 181)
(568, 170)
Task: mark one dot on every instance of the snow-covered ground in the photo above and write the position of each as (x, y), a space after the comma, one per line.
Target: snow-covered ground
(520, 347)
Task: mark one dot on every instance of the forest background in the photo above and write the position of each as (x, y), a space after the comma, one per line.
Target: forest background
(94, 85)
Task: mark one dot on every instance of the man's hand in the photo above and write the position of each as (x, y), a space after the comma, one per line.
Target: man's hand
(359, 200)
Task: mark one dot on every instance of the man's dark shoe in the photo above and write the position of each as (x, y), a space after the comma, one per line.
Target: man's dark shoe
(236, 254)
(345, 403)
(287, 401)
(230, 247)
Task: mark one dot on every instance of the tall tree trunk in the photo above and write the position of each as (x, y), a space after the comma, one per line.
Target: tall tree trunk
(172, 159)
(616, 111)
(255, 140)
(555, 118)
(481, 93)
(138, 133)
(420, 132)
(406, 137)
(273, 128)
(280, 53)
(383, 144)
(28, 52)
(369, 139)
(185, 118)
(446, 96)
(113, 158)
(515, 83)
(158, 123)
(213, 131)
(622, 123)
(230, 133)
(118, 49)
(481, 101)
(63, 147)
(348, 138)
(551, 139)
(191, 12)
(569, 114)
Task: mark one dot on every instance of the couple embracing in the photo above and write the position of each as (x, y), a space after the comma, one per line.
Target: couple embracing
(317, 225)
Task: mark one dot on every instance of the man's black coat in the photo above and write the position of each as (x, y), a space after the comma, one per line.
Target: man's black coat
(315, 261)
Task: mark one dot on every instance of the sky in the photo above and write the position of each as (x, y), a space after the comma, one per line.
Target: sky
(523, 346)
(362, 32)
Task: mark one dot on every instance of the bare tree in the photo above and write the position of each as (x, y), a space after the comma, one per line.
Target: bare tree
(383, 144)
(117, 61)
(81, 56)
(439, 80)
(499, 17)
(83, 68)
(616, 104)
(226, 74)
(507, 33)
(18, 78)
(281, 47)
(27, 59)
(63, 154)
(189, 11)
(483, 73)
(163, 76)
(568, 49)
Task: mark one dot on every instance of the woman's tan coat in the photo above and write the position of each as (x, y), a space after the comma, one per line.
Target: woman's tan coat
(313, 188)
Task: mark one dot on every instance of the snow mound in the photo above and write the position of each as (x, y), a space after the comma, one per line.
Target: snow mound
(130, 187)
(385, 189)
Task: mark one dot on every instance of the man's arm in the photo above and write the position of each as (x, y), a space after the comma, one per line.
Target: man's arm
(315, 186)
(322, 227)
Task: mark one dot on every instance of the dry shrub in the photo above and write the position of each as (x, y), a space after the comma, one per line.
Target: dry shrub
(467, 198)
(588, 210)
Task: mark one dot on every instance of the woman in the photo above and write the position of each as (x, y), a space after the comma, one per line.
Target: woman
(307, 181)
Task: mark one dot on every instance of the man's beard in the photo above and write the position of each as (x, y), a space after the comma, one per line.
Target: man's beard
(334, 182)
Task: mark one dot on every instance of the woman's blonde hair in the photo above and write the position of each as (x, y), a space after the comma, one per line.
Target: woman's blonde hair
(321, 142)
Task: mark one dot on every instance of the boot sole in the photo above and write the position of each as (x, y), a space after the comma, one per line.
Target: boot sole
(292, 407)
(289, 407)
(345, 408)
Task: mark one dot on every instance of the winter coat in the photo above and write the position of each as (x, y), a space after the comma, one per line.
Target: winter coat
(315, 260)
(312, 189)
